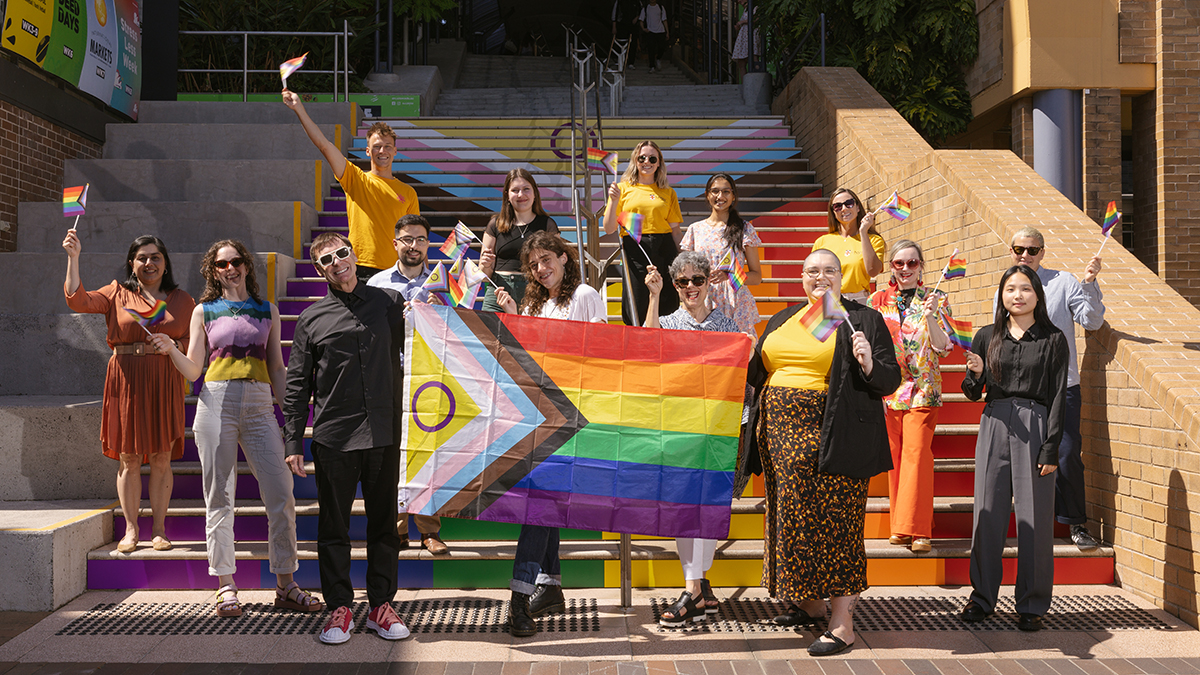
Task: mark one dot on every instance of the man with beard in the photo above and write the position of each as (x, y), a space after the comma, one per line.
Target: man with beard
(407, 277)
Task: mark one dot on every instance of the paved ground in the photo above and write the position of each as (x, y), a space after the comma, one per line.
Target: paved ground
(458, 632)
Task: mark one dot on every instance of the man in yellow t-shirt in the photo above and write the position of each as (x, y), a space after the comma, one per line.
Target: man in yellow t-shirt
(375, 200)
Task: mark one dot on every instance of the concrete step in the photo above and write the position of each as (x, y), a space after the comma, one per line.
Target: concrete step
(220, 141)
(196, 180)
(272, 113)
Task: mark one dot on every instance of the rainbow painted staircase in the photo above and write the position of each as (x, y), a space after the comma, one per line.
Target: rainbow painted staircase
(457, 167)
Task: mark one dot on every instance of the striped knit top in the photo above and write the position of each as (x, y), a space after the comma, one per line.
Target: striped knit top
(237, 339)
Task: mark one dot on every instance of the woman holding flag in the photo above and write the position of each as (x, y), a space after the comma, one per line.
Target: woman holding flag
(861, 255)
(643, 196)
(914, 316)
(520, 216)
(143, 419)
(820, 439)
(728, 242)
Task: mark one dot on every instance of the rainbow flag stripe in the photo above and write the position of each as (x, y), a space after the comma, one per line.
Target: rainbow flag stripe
(290, 66)
(960, 331)
(150, 317)
(631, 224)
(732, 265)
(561, 423)
(896, 207)
(436, 281)
(957, 267)
(75, 200)
(453, 249)
(822, 318)
(600, 160)
(1112, 218)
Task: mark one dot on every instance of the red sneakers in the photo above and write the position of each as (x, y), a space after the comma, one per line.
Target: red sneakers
(383, 620)
(337, 629)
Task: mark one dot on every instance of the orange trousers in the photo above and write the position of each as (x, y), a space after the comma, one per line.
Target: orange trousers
(910, 482)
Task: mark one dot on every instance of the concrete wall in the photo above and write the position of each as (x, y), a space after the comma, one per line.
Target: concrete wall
(1141, 404)
(44, 548)
(219, 141)
(50, 449)
(204, 180)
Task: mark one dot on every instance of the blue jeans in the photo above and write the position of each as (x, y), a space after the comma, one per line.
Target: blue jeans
(1070, 504)
(536, 562)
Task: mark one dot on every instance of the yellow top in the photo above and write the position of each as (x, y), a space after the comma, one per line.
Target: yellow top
(373, 205)
(849, 251)
(659, 206)
(794, 358)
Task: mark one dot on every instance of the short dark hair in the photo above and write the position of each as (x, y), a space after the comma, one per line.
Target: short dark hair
(412, 219)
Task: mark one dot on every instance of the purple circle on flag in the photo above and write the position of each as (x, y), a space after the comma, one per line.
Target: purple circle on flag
(449, 416)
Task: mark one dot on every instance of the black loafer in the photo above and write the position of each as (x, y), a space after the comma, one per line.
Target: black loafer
(1029, 622)
(973, 613)
(794, 617)
(827, 645)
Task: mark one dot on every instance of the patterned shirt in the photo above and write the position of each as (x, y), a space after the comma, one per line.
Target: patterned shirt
(919, 365)
(237, 339)
(681, 319)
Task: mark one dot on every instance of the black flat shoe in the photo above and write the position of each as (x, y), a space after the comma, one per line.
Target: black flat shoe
(1030, 622)
(827, 645)
(685, 609)
(794, 617)
(973, 613)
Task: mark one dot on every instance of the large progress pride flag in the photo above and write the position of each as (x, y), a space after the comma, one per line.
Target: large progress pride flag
(570, 424)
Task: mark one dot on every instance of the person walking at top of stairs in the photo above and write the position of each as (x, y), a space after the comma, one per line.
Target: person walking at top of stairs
(375, 200)
(653, 21)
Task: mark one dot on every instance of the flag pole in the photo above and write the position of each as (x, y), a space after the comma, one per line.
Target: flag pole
(76, 223)
(1106, 238)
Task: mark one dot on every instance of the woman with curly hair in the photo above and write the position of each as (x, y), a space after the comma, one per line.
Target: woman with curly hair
(554, 291)
(235, 333)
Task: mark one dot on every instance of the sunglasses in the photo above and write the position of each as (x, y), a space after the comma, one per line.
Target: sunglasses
(838, 206)
(906, 264)
(697, 281)
(340, 254)
(222, 264)
(1031, 250)
(647, 159)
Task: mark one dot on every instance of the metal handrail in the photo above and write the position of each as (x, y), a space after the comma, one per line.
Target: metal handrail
(783, 67)
(246, 70)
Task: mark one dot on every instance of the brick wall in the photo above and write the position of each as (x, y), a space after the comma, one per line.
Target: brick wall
(1101, 152)
(1141, 412)
(1022, 129)
(988, 69)
(1136, 26)
(32, 170)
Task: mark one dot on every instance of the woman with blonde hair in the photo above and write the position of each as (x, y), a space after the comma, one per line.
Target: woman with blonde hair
(521, 215)
(644, 190)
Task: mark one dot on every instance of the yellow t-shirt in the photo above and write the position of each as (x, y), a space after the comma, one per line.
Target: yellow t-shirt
(794, 358)
(849, 251)
(659, 206)
(373, 205)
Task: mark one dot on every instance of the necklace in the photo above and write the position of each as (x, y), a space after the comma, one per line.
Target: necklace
(524, 227)
(236, 312)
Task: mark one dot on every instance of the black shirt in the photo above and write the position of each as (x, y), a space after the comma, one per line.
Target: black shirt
(1033, 368)
(508, 244)
(346, 355)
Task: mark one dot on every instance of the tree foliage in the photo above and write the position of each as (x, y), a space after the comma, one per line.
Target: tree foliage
(913, 52)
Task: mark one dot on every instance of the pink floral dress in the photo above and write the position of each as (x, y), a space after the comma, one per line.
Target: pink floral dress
(737, 304)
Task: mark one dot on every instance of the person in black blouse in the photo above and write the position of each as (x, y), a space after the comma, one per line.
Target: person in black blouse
(520, 216)
(1022, 362)
(346, 356)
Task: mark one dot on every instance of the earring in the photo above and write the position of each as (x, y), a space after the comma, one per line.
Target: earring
(892, 282)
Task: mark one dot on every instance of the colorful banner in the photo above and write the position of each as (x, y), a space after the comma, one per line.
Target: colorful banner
(571, 424)
(95, 45)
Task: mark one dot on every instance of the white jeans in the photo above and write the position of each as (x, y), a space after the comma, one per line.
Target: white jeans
(696, 556)
(240, 411)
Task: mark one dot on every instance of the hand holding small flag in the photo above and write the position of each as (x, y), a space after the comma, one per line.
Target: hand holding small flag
(75, 202)
(150, 317)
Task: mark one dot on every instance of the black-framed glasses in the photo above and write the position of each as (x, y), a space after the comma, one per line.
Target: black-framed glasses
(698, 281)
(413, 241)
(647, 159)
(1031, 250)
(222, 264)
(327, 259)
(838, 206)
(911, 264)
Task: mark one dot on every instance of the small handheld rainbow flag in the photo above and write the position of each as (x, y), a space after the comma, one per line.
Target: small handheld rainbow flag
(1112, 218)
(469, 289)
(151, 317)
(436, 281)
(458, 242)
(960, 332)
(75, 201)
(734, 267)
(290, 66)
(599, 160)
(957, 267)
(631, 224)
(822, 318)
(896, 207)
(471, 274)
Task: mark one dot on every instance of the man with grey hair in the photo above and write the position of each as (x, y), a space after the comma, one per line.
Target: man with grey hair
(1069, 301)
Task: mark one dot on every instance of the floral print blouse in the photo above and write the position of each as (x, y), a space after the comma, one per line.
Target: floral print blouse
(919, 361)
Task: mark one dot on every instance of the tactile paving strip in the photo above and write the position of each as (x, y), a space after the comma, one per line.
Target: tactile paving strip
(421, 616)
(1070, 612)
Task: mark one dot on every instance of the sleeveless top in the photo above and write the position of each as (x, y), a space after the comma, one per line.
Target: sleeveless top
(237, 339)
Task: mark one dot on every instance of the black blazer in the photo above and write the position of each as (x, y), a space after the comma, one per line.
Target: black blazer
(854, 439)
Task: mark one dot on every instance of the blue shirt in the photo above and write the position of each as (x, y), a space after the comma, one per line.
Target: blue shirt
(410, 289)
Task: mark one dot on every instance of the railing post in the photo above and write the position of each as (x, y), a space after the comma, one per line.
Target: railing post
(245, 66)
(822, 39)
(335, 62)
(626, 571)
(346, 59)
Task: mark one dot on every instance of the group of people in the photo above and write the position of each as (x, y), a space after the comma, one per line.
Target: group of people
(820, 417)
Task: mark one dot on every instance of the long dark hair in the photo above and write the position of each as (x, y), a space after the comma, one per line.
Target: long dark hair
(536, 294)
(1040, 314)
(735, 227)
(131, 282)
(508, 215)
(208, 269)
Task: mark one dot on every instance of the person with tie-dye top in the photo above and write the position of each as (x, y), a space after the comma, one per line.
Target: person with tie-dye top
(236, 335)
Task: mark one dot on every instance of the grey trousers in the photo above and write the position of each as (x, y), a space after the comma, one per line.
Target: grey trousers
(1011, 432)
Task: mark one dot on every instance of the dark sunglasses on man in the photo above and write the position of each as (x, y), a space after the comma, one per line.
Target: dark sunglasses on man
(340, 253)
(1031, 250)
